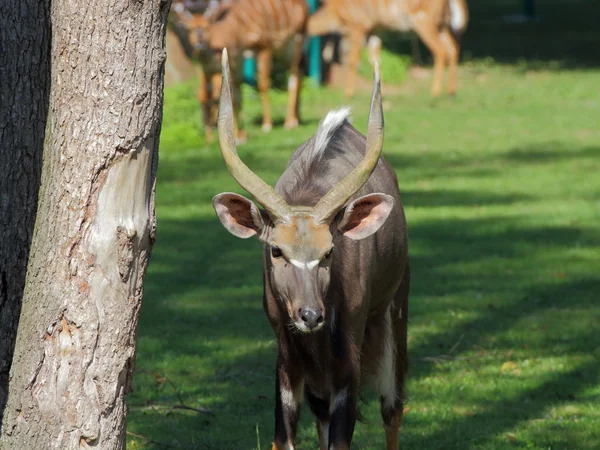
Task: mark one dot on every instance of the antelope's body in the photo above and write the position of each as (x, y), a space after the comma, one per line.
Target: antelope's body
(364, 337)
(263, 26)
(438, 23)
(336, 272)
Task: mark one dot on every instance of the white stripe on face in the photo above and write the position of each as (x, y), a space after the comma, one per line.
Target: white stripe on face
(308, 265)
(312, 264)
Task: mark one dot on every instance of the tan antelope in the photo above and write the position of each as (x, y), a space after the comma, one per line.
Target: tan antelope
(336, 271)
(438, 23)
(263, 26)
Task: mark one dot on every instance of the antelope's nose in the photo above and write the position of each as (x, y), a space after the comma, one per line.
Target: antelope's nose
(311, 317)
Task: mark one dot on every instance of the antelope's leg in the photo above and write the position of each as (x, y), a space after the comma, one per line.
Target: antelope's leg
(214, 84)
(428, 33)
(240, 132)
(391, 423)
(343, 416)
(289, 387)
(356, 40)
(263, 61)
(203, 95)
(346, 382)
(392, 395)
(452, 52)
(320, 409)
(294, 84)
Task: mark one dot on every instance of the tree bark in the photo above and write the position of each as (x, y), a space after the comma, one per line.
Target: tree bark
(95, 227)
(24, 91)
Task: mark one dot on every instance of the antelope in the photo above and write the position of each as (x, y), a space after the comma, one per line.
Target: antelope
(438, 23)
(263, 26)
(336, 271)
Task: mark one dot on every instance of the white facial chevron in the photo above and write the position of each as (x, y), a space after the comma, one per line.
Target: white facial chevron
(308, 265)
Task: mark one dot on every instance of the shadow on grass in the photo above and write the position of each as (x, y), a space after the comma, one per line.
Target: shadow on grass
(532, 404)
(209, 162)
(279, 121)
(204, 329)
(484, 164)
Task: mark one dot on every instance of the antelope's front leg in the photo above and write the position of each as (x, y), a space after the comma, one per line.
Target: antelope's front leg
(294, 85)
(204, 98)
(264, 59)
(356, 41)
(344, 395)
(289, 387)
(343, 417)
(240, 132)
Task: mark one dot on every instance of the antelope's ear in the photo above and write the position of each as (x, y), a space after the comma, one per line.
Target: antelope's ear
(365, 215)
(238, 215)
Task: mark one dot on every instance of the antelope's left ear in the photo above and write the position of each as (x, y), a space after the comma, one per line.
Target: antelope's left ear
(365, 215)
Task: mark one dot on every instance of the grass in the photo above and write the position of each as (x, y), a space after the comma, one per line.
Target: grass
(502, 195)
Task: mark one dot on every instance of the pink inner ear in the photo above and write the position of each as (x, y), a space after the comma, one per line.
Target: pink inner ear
(240, 213)
(365, 217)
(362, 216)
(236, 216)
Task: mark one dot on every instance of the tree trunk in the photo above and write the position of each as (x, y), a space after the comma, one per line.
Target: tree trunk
(95, 227)
(24, 91)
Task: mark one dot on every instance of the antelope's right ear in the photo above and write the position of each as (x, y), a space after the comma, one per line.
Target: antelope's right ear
(238, 215)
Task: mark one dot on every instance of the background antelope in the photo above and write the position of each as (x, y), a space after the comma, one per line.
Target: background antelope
(336, 271)
(263, 26)
(438, 23)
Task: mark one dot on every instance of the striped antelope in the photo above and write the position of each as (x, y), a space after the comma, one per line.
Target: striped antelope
(438, 23)
(264, 26)
(336, 271)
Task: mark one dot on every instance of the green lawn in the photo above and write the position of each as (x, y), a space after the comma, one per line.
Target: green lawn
(501, 187)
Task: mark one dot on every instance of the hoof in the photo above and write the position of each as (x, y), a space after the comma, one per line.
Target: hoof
(209, 135)
(289, 124)
(241, 138)
(266, 127)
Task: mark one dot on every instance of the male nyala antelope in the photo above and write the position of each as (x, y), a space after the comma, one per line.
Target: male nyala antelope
(439, 24)
(264, 26)
(336, 271)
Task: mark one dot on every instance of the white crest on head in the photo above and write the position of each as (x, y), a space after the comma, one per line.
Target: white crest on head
(327, 128)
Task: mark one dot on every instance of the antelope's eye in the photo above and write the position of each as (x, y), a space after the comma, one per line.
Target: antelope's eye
(276, 252)
(328, 254)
